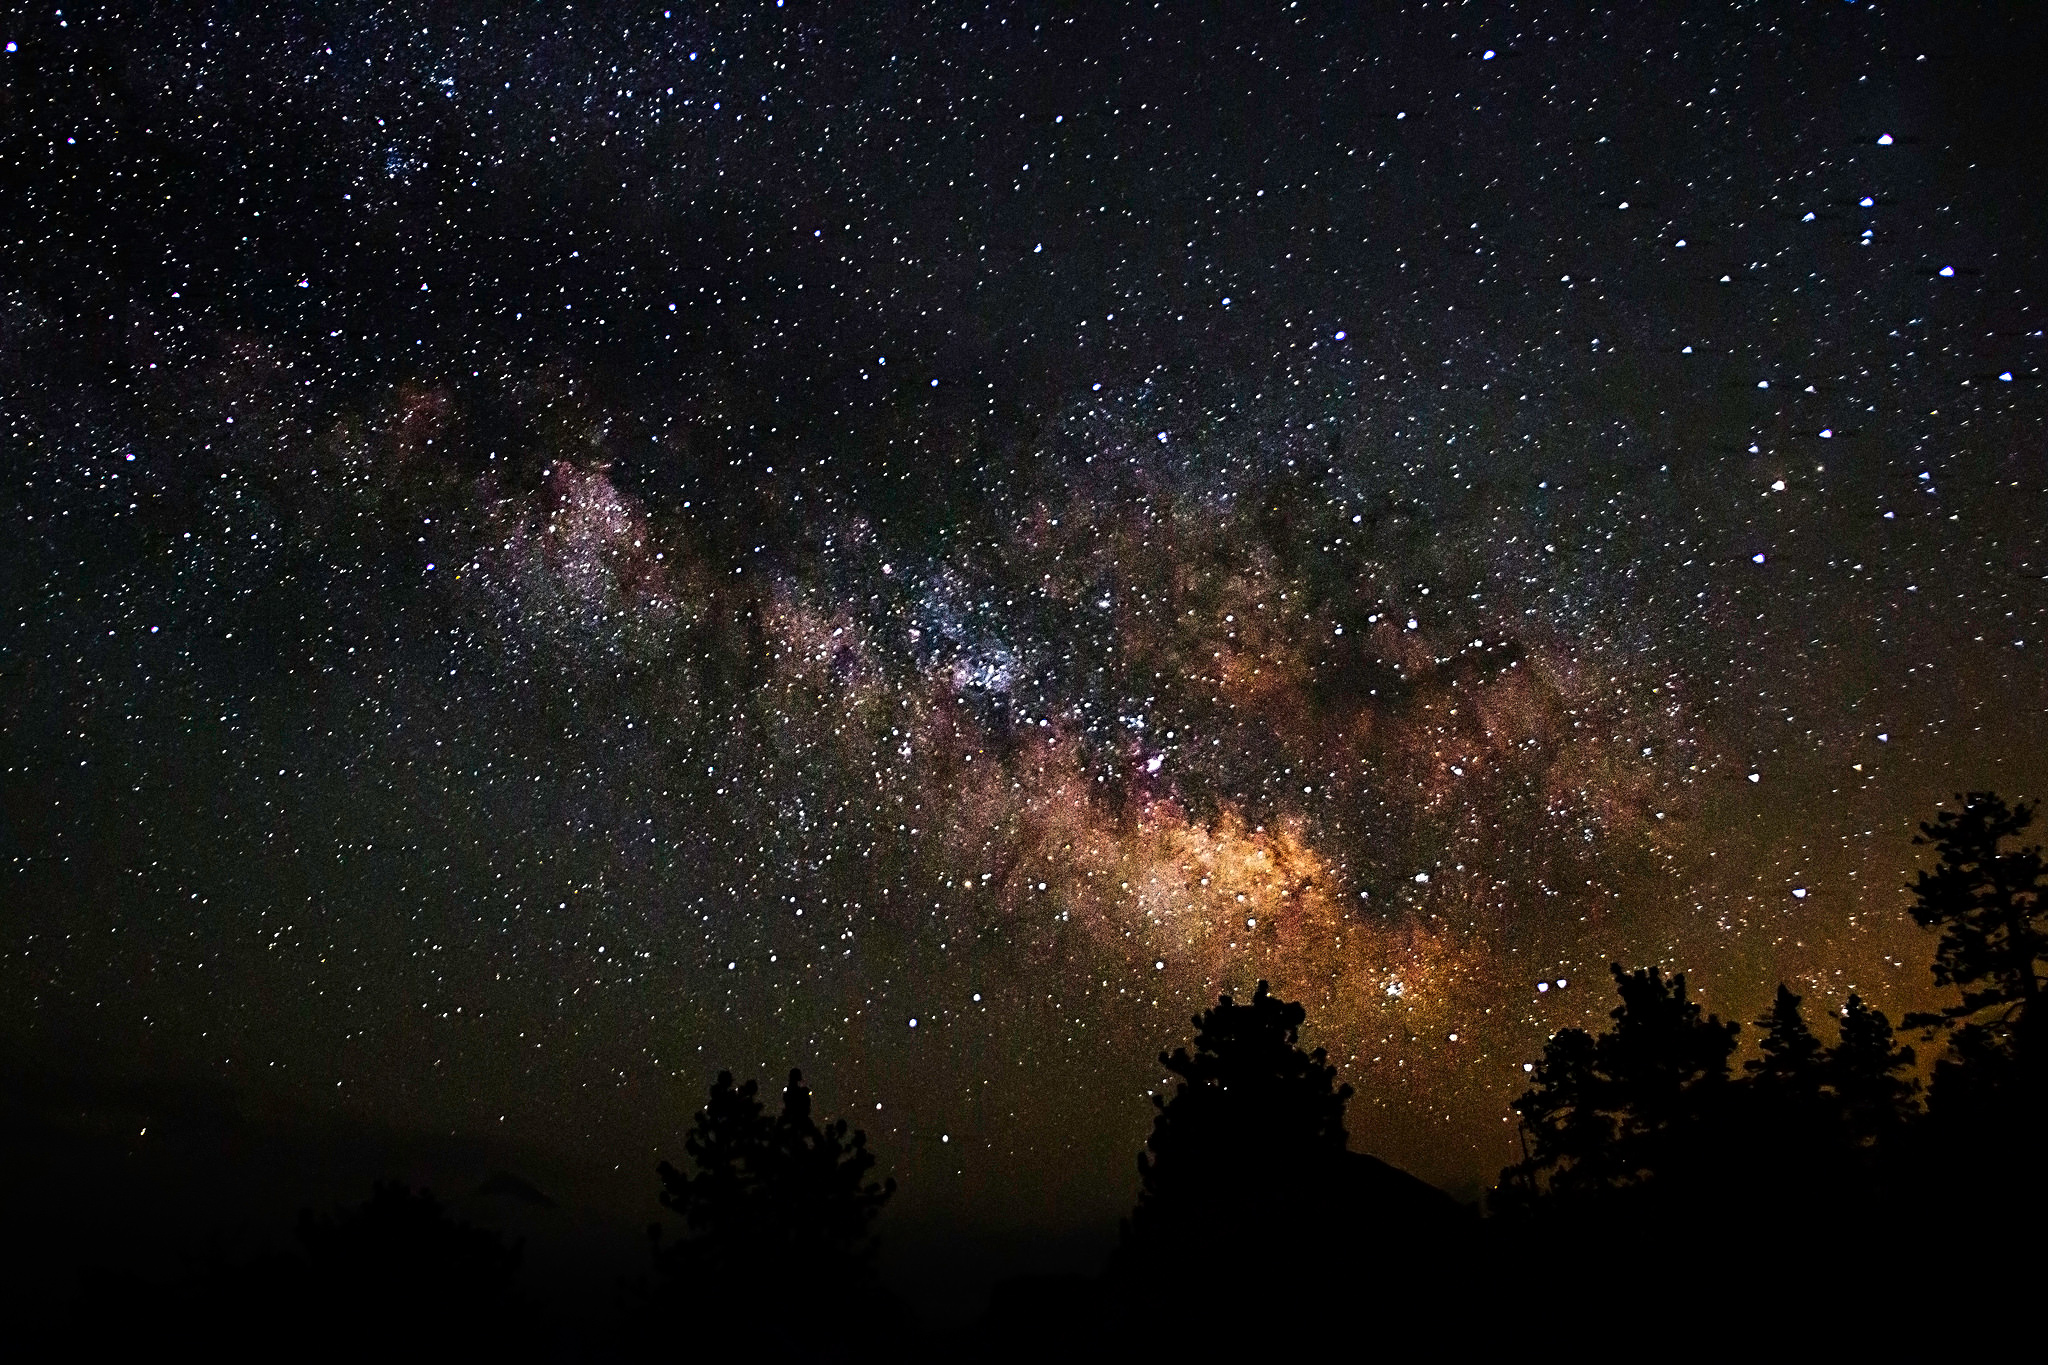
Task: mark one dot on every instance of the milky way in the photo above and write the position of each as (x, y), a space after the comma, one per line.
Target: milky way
(556, 552)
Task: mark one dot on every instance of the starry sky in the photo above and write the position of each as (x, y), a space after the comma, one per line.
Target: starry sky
(552, 549)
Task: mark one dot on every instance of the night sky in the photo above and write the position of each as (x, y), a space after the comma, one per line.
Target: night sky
(551, 550)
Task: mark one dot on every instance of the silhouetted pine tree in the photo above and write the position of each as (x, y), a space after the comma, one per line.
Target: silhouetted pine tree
(779, 1214)
(1254, 1125)
(821, 1196)
(728, 1144)
(1785, 1129)
(1977, 1175)
(1645, 1099)
(1786, 1067)
(1986, 899)
(1789, 1055)
(1870, 1077)
(1811, 1119)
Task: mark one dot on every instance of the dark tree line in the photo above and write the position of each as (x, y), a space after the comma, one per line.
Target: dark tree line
(1658, 1174)
(1656, 1102)
(1653, 1113)
(1657, 1171)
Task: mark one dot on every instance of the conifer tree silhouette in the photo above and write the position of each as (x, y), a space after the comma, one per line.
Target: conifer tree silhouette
(1815, 1114)
(1783, 1097)
(1789, 1054)
(1870, 1076)
(1639, 1101)
(1987, 900)
(822, 1197)
(1253, 1126)
(728, 1145)
(1977, 1167)
(779, 1211)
